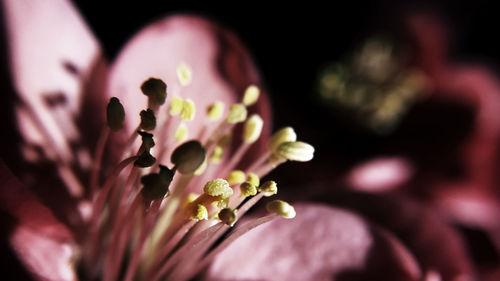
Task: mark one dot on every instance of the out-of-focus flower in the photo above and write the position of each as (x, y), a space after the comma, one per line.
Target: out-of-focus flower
(134, 199)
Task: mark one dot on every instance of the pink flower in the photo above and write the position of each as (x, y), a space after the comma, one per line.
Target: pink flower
(81, 210)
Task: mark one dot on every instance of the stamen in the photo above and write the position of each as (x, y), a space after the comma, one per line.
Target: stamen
(147, 140)
(237, 114)
(296, 151)
(286, 134)
(176, 105)
(200, 213)
(236, 177)
(268, 188)
(115, 114)
(156, 185)
(181, 133)
(145, 160)
(216, 156)
(248, 189)
(188, 110)
(228, 216)
(184, 74)
(281, 208)
(251, 95)
(252, 129)
(253, 179)
(148, 120)
(188, 157)
(156, 91)
(215, 111)
(219, 188)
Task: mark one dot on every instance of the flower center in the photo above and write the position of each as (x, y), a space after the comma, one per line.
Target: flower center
(153, 221)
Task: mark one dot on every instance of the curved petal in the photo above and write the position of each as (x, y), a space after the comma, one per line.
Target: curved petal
(40, 241)
(320, 243)
(419, 227)
(53, 58)
(221, 67)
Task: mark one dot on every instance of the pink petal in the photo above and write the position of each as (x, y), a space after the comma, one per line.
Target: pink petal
(320, 243)
(221, 67)
(53, 57)
(41, 242)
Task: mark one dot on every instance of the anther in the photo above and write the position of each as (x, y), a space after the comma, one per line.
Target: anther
(176, 105)
(156, 90)
(145, 160)
(215, 111)
(200, 212)
(219, 188)
(156, 184)
(237, 114)
(296, 151)
(251, 95)
(147, 140)
(184, 74)
(181, 133)
(236, 177)
(253, 179)
(216, 156)
(268, 188)
(286, 134)
(202, 168)
(148, 120)
(281, 208)
(248, 189)
(252, 129)
(188, 156)
(115, 114)
(188, 110)
(228, 216)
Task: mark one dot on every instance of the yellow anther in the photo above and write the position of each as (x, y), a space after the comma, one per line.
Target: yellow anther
(181, 133)
(253, 179)
(281, 208)
(200, 212)
(248, 189)
(202, 168)
(190, 198)
(218, 187)
(286, 134)
(268, 188)
(184, 74)
(236, 177)
(215, 111)
(216, 156)
(228, 216)
(296, 151)
(237, 114)
(176, 105)
(251, 95)
(188, 110)
(252, 129)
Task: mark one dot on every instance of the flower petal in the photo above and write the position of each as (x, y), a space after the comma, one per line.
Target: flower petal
(221, 68)
(53, 59)
(41, 242)
(320, 243)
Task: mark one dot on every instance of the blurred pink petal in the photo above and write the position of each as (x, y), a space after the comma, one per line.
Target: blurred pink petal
(39, 239)
(380, 174)
(52, 55)
(320, 243)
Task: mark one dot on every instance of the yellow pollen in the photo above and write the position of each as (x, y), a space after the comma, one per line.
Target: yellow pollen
(237, 114)
(281, 208)
(216, 156)
(181, 133)
(176, 106)
(184, 74)
(252, 129)
(286, 134)
(218, 187)
(215, 111)
(188, 110)
(200, 212)
(236, 177)
(251, 95)
(248, 189)
(268, 188)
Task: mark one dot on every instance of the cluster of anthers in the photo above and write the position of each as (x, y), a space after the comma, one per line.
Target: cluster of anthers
(154, 221)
